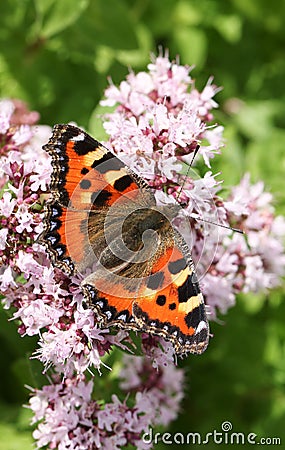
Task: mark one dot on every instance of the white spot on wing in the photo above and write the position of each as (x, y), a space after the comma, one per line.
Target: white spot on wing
(109, 315)
(122, 317)
(79, 137)
(202, 325)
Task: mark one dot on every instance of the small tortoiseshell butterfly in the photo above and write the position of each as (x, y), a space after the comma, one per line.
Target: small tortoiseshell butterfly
(103, 221)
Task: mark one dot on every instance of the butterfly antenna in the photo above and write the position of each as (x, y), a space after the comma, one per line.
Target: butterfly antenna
(200, 218)
(188, 170)
(237, 230)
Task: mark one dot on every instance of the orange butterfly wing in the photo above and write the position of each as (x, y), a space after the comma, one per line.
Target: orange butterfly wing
(87, 180)
(85, 176)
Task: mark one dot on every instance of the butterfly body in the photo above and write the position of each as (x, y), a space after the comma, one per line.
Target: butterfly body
(103, 219)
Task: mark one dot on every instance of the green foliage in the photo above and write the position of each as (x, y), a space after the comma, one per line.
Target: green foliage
(57, 55)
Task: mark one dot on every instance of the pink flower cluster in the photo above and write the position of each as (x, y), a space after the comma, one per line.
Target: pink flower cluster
(24, 174)
(253, 262)
(158, 122)
(68, 416)
(159, 118)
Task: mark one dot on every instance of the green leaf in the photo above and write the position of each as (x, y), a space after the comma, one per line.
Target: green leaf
(15, 430)
(187, 13)
(105, 24)
(229, 26)
(140, 55)
(266, 161)
(53, 16)
(255, 118)
(191, 44)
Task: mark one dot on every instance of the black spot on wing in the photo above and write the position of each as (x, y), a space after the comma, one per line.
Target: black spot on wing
(203, 335)
(161, 300)
(101, 198)
(172, 306)
(176, 266)
(85, 184)
(84, 171)
(194, 317)
(155, 281)
(121, 184)
(87, 145)
(188, 289)
(102, 168)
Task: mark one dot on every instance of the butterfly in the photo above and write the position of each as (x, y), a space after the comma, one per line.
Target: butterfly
(102, 221)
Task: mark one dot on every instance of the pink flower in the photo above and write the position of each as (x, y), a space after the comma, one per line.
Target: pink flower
(166, 124)
(36, 315)
(22, 135)
(204, 101)
(162, 388)
(67, 417)
(6, 111)
(7, 204)
(3, 238)
(215, 140)
(7, 279)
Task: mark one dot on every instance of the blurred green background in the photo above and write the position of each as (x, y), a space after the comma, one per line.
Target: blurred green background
(57, 55)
